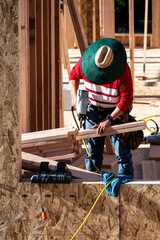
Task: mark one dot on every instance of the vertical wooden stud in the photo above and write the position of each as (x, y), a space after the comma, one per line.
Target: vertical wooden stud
(131, 36)
(145, 36)
(40, 94)
(33, 75)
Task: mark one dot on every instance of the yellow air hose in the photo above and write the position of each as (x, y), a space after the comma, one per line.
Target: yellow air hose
(148, 119)
(98, 172)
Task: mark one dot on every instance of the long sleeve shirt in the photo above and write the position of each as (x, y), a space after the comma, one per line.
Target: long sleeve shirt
(118, 93)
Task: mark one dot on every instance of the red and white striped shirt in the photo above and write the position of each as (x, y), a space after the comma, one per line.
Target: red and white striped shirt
(118, 93)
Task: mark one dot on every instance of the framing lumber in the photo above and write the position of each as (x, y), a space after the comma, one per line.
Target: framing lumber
(109, 149)
(154, 152)
(64, 45)
(116, 129)
(107, 19)
(32, 163)
(33, 64)
(145, 36)
(131, 36)
(24, 66)
(46, 135)
(40, 88)
(46, 64)
(78, 25)
(149, 170)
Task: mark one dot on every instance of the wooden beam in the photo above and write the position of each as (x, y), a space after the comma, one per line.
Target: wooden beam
(131, 36)
(116, 129)
(94, 20)
(32, 162)
(78, 25)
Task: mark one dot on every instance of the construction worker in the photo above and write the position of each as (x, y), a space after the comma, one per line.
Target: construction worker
(107, 78)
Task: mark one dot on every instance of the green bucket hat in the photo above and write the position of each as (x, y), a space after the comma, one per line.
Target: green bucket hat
(104, 61)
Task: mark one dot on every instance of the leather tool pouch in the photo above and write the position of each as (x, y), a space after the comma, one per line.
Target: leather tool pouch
(132, 139)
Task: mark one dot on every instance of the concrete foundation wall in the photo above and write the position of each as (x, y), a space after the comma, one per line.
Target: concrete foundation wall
(135, 215)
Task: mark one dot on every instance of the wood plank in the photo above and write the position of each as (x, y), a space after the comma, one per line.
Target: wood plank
(47, 135)
(131, 37)
(24, 66)
(39, 70)
(46, 64)
(145, 36)
(154, 152)
(78, 25)
(64, 45)
(116, 129)
(33, 63)
(109, 149)
(53, 70)
(57, 63)
(107, 19)
(149, 170)
(109, 161)
(48, 147)
(32, 162)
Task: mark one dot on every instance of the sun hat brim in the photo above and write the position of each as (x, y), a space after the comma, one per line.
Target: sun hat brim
(109, 74)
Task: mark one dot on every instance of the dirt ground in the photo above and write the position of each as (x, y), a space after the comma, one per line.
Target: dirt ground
(146, 102)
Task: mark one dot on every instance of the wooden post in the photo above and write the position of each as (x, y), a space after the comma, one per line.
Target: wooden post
(64, 45)
(40, 88)
(53, 100)
(131, 36)
(46, 64)
(145, 36)
(24, 66)
(94, 20)
(107, 19)
(155, 23)
(33, 63)
(78, 25)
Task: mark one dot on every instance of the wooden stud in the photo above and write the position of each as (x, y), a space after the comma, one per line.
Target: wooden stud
(145, 36)
(33, 63)
(78, 25)
(24, 66)
(64, 44)
(131, 37)
(107, 19)
(40, 86)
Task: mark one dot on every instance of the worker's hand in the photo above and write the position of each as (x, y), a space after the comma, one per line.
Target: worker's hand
(101, 127)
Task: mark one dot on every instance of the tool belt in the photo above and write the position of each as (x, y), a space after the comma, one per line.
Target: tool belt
(133, 139)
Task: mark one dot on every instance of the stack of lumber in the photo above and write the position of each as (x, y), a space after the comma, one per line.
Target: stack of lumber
(56, 144)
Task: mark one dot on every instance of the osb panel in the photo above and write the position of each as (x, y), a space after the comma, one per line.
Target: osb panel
(66, 207)
(9, 92)
(140, 212)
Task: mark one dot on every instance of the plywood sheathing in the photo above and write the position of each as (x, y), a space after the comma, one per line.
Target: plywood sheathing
(140, 212)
